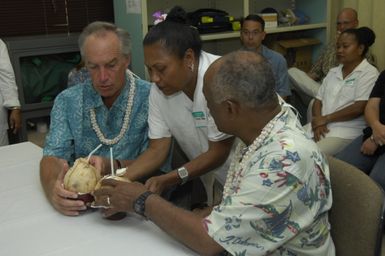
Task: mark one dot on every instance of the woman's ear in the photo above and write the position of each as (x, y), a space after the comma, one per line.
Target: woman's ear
(189, 59)
(361, 47)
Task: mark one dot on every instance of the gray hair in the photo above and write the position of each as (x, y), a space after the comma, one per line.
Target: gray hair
(246, 77)
(99, 28)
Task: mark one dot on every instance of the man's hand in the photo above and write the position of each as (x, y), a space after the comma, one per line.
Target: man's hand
(63, 200)
(121, 196)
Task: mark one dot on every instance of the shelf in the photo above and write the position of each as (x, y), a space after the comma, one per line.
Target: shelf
(295, 28)
(221, 43)
(222, 35)
(235, 34)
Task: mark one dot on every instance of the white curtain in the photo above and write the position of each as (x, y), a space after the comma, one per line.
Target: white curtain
(370, 14)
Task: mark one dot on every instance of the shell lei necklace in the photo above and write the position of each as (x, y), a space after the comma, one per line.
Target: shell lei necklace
(126, 119)
(242, 158)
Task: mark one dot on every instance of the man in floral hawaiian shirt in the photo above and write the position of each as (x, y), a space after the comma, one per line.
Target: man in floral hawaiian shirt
(277, 192)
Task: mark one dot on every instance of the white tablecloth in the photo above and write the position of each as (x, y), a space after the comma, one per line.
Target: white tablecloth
(30, 226)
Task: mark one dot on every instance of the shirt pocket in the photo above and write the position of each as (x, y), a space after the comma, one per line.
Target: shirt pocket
(348, 92)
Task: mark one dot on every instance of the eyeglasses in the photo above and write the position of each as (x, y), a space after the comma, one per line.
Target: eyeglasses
(346, 22)
(250, 33)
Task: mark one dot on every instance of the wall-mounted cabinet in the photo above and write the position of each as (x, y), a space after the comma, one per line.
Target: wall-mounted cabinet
(318, 12)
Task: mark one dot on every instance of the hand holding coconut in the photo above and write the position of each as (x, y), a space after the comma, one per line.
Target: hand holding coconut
(119, 195)
(82, 179)
(62, 200)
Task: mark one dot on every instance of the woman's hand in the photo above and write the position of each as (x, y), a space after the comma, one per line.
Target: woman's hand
(319, 121)
(157, 184)
(319, 132)
(379, 133)
(101, 164)
(368, 147)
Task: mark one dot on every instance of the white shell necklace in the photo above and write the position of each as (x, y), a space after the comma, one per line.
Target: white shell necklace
(126, 119)
(242, 158)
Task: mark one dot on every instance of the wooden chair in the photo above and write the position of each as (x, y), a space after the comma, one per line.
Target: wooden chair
(356, 216)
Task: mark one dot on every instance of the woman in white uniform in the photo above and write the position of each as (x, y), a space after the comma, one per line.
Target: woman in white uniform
(339, 106)
(178, 109)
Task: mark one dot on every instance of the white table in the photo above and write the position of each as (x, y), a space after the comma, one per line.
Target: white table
(29, 226)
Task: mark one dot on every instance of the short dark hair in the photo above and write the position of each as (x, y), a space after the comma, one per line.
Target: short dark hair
(256, 18)
(246, 77)
(175, 34)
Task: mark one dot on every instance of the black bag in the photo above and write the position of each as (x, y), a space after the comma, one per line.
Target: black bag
(210, 20)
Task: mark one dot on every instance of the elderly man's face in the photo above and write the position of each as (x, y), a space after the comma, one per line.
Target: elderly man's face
(106, 64)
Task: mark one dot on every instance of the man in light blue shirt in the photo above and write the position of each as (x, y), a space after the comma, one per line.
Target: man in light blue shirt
(252, 35)
(71, 134)
(110, 109)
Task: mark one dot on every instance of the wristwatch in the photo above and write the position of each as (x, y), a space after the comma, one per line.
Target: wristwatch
(183, 174)
(139, 203)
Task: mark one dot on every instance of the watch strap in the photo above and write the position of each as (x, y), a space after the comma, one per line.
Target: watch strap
(140, 203)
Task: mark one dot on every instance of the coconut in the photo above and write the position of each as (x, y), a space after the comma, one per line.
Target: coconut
(120, 178)
(82, 177)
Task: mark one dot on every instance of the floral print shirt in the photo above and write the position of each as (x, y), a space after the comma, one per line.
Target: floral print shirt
(277, 202)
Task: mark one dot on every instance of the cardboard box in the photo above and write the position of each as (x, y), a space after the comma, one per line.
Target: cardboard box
(298, 52)
(271, 19)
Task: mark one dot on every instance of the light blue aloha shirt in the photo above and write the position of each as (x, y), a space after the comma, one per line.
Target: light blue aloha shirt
(280, 206)
(71, 135)
(78, 76)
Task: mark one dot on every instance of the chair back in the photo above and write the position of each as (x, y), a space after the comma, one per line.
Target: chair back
(356, 216)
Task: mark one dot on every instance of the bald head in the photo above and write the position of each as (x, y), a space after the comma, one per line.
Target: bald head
(346, 19)
(243, 76)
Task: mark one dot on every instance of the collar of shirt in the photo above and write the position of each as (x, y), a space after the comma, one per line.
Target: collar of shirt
(265, 52)
(199, 102)
(360, 68)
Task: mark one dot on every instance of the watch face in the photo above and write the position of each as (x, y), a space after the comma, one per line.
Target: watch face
(182, 172)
